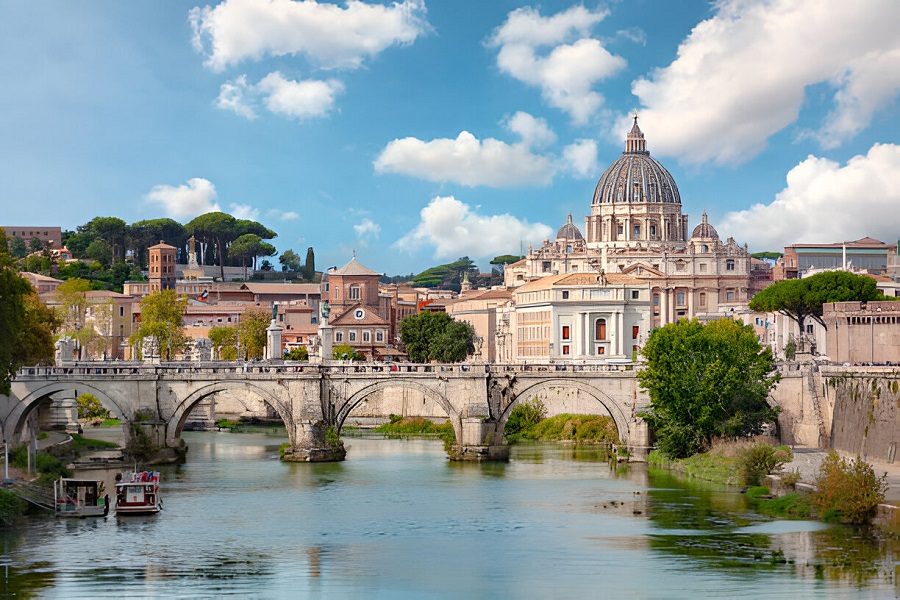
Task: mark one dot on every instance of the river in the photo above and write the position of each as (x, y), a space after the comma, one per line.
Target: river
(397, 520)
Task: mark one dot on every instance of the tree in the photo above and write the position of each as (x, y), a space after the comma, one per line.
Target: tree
(13, 290)
(446, 276)
(345, 352)
(298, 353)
(289, 261)
(100, 251)
(216, 228)
(436, 336)
(309, 267)
(505, 259)
(251, 332)
(802, 298)
(247, 247)
(89, 407)
(17, 248)
(265, 266)
(35, 245)
(705, 381)
(143, 234)
(72, 310)
(224, 342)
(111, 230)
(35, 342)
(161, 316)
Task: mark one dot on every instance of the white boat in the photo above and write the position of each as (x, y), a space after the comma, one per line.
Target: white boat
(79, 498)
(137, 493)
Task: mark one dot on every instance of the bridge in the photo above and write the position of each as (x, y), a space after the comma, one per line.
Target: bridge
(314, 400)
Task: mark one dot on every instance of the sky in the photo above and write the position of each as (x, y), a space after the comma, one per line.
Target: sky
(418, 131)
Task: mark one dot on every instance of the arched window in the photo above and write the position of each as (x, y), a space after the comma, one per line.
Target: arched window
(600, 329)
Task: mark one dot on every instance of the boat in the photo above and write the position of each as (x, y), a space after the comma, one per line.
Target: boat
(79, 498)
(137, 493)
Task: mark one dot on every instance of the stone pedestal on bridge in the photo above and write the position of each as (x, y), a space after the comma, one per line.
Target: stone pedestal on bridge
(314, 441)
(479, 442)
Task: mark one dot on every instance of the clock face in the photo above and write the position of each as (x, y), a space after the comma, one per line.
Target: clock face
(359, 314)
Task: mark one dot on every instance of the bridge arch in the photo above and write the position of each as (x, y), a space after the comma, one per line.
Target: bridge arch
(23, 409)
(184, 407)
(613, 407)
(360, 395)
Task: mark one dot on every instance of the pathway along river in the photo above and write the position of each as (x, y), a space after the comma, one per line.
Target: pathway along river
(397, 520)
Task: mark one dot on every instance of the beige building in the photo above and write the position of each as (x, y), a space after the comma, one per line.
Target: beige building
(636, 228)
(485, 310)
(49, 236)
(111, 316)
(863, 332)
(41, 283)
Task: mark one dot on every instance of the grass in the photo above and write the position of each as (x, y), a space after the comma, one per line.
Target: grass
(581, 429)
(790, 506)
(413, 426)
(81, 443)
(111, 422)
(709, 466)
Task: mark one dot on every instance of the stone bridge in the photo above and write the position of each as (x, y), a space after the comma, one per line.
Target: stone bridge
(315, 400)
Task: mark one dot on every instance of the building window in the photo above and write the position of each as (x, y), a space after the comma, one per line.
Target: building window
(635, 331)
(545, 266)
(621, 229)
(729, 295)
(679, 298)
(702, 298)
(600, 329)
(601, 350)
(635, 294)
(565, 349)
(653, 231)
(703, 267)
(566, 332)
(327, 286)
(729, 265)
(565, 295)
(351, 335)
(379, 335)
(809, 328)
(367, 336)
(637, 231)
(339, 336)
(121, 311)
(704, 248)
(354, 292)
(655, 299)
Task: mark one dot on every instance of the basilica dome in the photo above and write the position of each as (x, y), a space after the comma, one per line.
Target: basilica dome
(569, 231)
(635, 177)
(704, 229)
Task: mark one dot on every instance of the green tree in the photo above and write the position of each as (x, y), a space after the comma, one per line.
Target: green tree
(848, 490)
(309, 267)
(143, 234)
(89, 407)
(17, 247)
(251, 332)
(289, 261)
(72, 310)
(224, 342)
(217, 229)
(161, 320)
(298, 353)
(345, 352)
(436, 336)
(111, 230)
(505, 259)
(35, 245)
(35, 342)
(100, 251)
(247, 247)
(446, 276)
(705, 381)
(802, 298)
(13, 291)
(767, 255)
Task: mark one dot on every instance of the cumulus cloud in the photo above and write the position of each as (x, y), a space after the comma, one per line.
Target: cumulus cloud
(454, 229)
(534, 131)
(826, 202)
(740, 76)
(466, 160)
(367, 230)
(567, 72)
(330, 35)
(186, 201)
(581, 158)
(304, 99)
(243, 211)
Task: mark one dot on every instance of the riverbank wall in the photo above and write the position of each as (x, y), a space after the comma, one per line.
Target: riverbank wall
(853, 409)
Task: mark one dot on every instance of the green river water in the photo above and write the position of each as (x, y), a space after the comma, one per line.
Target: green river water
(397, 520)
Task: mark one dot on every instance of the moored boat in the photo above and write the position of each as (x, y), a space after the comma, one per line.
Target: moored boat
(137, 493)
(79, 498)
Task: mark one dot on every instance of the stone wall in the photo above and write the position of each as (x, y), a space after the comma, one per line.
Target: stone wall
(866, 414)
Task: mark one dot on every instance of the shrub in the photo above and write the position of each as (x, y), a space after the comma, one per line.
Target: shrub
(759, 460)
(525, 415)
(791, 479)
(11, 507)
(848, 491)
(89, 407)
(140, 446)
(332, 438)
(298, 353)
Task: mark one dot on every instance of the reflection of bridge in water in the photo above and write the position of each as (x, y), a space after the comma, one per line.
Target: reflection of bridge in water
(476, 398)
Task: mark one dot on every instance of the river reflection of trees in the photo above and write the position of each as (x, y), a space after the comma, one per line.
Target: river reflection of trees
(709, 524)
(22, 580)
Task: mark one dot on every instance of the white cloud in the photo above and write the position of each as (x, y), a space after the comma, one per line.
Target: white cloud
(367, 229)
(332, 36)
(282, 215)
(455, 229)
(234, 96)
(303, 99)
(581, 158)
(567, 73)
(185, 201)
(534, 131)
(466, 160)
(741, 76)
(826, 202)
(244, 211)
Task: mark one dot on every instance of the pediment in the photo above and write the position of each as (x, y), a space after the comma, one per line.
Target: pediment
(642, 269)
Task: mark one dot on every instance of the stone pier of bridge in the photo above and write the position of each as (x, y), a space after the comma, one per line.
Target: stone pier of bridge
(314, 401)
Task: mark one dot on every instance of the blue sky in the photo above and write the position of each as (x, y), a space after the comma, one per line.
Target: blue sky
(341, 126)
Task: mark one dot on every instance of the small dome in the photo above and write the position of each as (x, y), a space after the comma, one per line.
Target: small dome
(569, 231)
(636, 177)
(705, 230)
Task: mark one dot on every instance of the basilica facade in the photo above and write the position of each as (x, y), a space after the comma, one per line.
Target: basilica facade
(636, 228)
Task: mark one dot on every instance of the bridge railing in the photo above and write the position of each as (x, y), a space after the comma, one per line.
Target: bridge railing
(119, 368)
